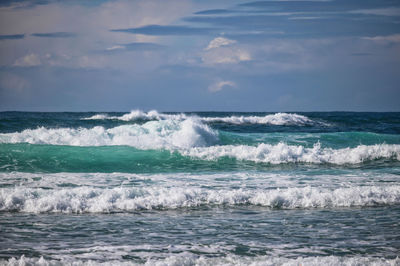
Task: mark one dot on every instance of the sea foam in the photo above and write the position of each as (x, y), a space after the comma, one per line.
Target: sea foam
(279, 119)
(138, 115)
(284, 153)
(271, 119)
(192, 138)
(96, 200)
(165, 134)
(191, 259)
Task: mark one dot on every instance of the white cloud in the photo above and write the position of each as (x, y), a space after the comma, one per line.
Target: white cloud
(226, 56)
(115, 47)
(217, 52)
(218, 42)
(92, 25)
(220, 85)
(28, 61)
(390, 11)
(384, 39)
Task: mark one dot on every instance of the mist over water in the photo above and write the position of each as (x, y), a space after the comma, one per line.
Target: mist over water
(200, 188)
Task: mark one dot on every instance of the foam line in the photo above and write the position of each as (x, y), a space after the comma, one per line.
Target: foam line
(191, 259)
(165, 134)
(284, 153)
(96, 200)
(271, 119)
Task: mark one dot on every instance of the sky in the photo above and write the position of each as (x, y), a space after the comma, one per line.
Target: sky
(200, 55)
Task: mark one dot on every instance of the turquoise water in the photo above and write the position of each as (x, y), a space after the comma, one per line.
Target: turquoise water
(200, 188)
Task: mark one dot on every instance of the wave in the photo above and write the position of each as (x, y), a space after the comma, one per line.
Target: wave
(271, 119)
(284, 153)
(95, 200)
(165, 134)
(191, 259)
(279, 119)
(196, 140)
(138, 115)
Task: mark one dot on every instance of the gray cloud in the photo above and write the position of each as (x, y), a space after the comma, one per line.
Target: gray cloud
(167, 30)
(213, 12)
(54, 35)
(135, 46)
(12, 37)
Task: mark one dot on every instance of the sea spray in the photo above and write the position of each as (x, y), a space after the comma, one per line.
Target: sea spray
(271, 119)
(92, 200)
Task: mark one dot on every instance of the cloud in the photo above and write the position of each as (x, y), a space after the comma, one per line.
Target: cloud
(213, 12)
(226, 56)
(224, 51)
(135, 46)
(143, 46)
(217, 52)
(159, 30)
(28, 61)
(394, 38)
(12, 37)
(86, 34)
(220, 85)
(54, 35)
(389, 11)
(218, 42)
(115, 47)
(23, 3)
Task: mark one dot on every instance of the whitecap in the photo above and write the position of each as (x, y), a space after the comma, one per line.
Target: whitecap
(280, 119)
(96, 200)
(284, 153)
(165, 134)
(191, 259)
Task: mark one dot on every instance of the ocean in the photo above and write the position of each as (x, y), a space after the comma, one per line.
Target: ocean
(200, 188)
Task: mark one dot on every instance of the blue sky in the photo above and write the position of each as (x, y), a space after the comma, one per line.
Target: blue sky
(200, 55)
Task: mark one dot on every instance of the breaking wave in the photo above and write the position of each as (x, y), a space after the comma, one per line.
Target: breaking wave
(191, 259)
(138, 115)
(192, 138)
(279, 119)
(165, 134)
(284, 153)
(95, 200)
(271, 119)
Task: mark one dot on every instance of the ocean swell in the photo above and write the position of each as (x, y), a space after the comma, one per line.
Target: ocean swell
(95, 200)
(165, 134)
(192, 138)
(191, 259)
(284, 153)
(280, 119)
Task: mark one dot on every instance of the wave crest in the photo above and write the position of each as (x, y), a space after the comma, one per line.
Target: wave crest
(280, 119)
(284, 153)
(92, 200)
(139, 115)
(190, 259)
(166, 134)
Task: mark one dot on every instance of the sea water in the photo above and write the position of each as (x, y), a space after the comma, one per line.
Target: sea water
(204, 188)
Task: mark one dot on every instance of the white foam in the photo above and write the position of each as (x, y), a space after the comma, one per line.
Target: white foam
(192, 138)
(95, 200)
(138, 115)
(221, 180)
(284, 153)
(272, 119)
(190, 259)
(165, 134)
